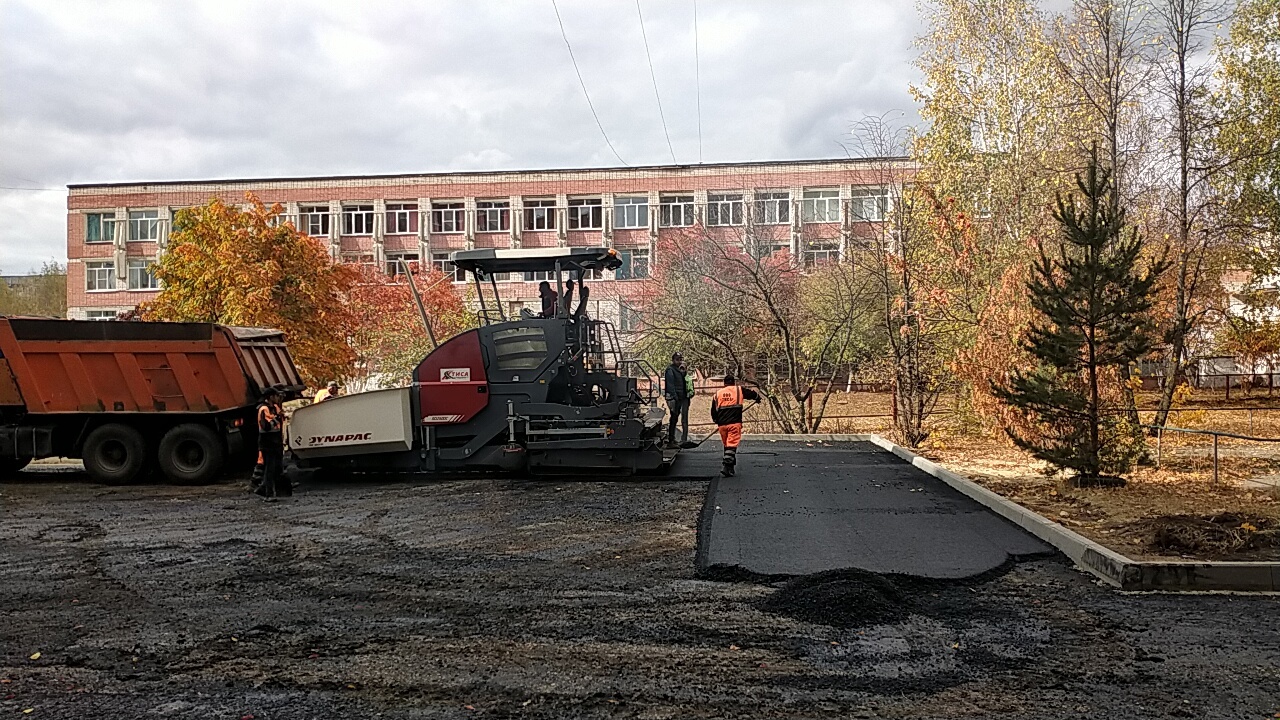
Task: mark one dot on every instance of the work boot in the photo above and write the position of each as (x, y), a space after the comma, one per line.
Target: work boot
(726, 471)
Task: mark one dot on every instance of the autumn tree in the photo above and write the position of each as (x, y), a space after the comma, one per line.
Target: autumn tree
(1091, 299)
(389, 338)
(42, 294)
(735, 299)
(239, 266)
(1189, 203)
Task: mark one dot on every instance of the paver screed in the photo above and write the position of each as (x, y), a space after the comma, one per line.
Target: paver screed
(852, 505)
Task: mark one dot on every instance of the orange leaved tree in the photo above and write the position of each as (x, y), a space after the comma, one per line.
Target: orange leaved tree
(389, 339)
(243, 267)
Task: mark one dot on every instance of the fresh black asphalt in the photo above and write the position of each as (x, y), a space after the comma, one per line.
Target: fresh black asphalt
(796, 508)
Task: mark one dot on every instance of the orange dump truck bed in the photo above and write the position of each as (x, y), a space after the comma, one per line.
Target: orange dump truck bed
(71, 366)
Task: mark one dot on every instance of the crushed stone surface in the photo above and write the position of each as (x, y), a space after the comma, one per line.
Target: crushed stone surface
(544, 599)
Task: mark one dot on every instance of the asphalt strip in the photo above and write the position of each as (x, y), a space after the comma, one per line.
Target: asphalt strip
(795, 509)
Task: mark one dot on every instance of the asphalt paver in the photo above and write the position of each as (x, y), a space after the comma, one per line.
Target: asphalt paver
(847, 505)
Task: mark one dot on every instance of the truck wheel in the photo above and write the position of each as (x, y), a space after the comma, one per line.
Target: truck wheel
(11, 465)
(192, 454)
(115, 454)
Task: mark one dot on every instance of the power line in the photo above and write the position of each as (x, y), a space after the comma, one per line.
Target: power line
(697, 75)
(583, 83)
(654, 77)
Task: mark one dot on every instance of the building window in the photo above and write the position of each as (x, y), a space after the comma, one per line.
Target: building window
(586, 214)
(99, 276)
(631, 212)
(100, 228)
(675, 211)
(395, 267)
(493, 216)
(724, 209)
(100, 314)
(821, 252)
(448, 217)
(402, 218)
(141, 276)
(315, 220)
(357, 220)
(821, 206)
(773, 207)
(870, 204)
(635, 265)
(539, 214)
(144, 225)
(629, 318)
(441, 262)
(761, 248)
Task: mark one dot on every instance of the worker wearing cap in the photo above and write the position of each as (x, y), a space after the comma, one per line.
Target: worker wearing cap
(726, 411)
(329, 391)
(677, 395)
(271, 446)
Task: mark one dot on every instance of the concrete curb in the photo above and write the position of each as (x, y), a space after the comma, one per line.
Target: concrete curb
(1109, 565)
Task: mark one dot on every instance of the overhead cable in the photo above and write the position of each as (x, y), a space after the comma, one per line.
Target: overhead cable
(583, 83)
(654, 77)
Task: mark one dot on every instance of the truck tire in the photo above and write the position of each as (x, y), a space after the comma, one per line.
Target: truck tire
(115, 454)
(192, 454)
(11, 465)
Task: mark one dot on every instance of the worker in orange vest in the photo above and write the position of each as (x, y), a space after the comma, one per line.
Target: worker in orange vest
(726, 411)
(271, 446)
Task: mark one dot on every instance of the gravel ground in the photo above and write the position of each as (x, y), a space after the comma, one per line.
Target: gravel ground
(520, 599)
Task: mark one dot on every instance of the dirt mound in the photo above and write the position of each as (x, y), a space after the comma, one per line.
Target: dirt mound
(1210, 535)
(840, 598)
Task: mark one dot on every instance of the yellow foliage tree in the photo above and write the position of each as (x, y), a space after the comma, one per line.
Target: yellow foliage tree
(243, 267)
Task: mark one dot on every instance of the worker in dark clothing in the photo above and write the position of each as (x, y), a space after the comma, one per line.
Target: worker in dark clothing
(726, 411)
(271, 446)
(677, 395)
(549, 298)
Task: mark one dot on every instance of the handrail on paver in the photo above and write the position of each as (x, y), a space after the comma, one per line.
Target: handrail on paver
(1215, 433)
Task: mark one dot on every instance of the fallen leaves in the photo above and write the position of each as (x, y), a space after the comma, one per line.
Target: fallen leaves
(35, 656)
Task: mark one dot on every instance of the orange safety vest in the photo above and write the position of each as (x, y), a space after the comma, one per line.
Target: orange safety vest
(729, 397)
(268, 420)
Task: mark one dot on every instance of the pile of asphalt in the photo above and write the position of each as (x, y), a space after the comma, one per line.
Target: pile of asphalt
(840, 598)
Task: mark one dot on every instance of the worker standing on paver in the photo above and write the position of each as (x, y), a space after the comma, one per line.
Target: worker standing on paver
(271, 446)
(726, 411)
(677, 395)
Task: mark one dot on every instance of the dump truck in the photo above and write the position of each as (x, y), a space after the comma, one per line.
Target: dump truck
(133, 398)
(552, 392)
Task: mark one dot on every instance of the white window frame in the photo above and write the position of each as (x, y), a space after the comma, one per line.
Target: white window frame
(101, 315)
(724, 209)
(144, 225)
(630, 212)
(539, 275)
(448, 218)
(391, 264)
(138, 272)
(402, 218)
(357, 219)
(314, 220)
(539, 214)
(675, 211)
(821, 205)
(629, 318)
(772, 207)
(631, 259)
(586, 213)
(869, 204)
(99, 271)
(106, 227)
(820, 252)
(493, 216)
(440, 261)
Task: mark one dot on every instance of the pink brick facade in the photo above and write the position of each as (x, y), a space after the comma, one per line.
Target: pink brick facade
(809, 208)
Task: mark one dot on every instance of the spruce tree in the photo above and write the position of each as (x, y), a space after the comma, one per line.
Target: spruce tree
(1091, 302)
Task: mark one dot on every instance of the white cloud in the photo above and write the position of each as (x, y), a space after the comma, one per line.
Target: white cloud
(101, 91)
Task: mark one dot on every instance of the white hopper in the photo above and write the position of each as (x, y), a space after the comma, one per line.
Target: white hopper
(370, 422)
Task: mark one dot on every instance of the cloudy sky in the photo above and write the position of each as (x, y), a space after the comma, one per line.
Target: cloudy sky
(103, 91)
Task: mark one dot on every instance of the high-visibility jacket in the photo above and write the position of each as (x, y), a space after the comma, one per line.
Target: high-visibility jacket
(726, 406)
(322, 395)
(270, 418)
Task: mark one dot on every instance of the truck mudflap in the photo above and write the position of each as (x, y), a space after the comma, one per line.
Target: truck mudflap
(363, 424)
